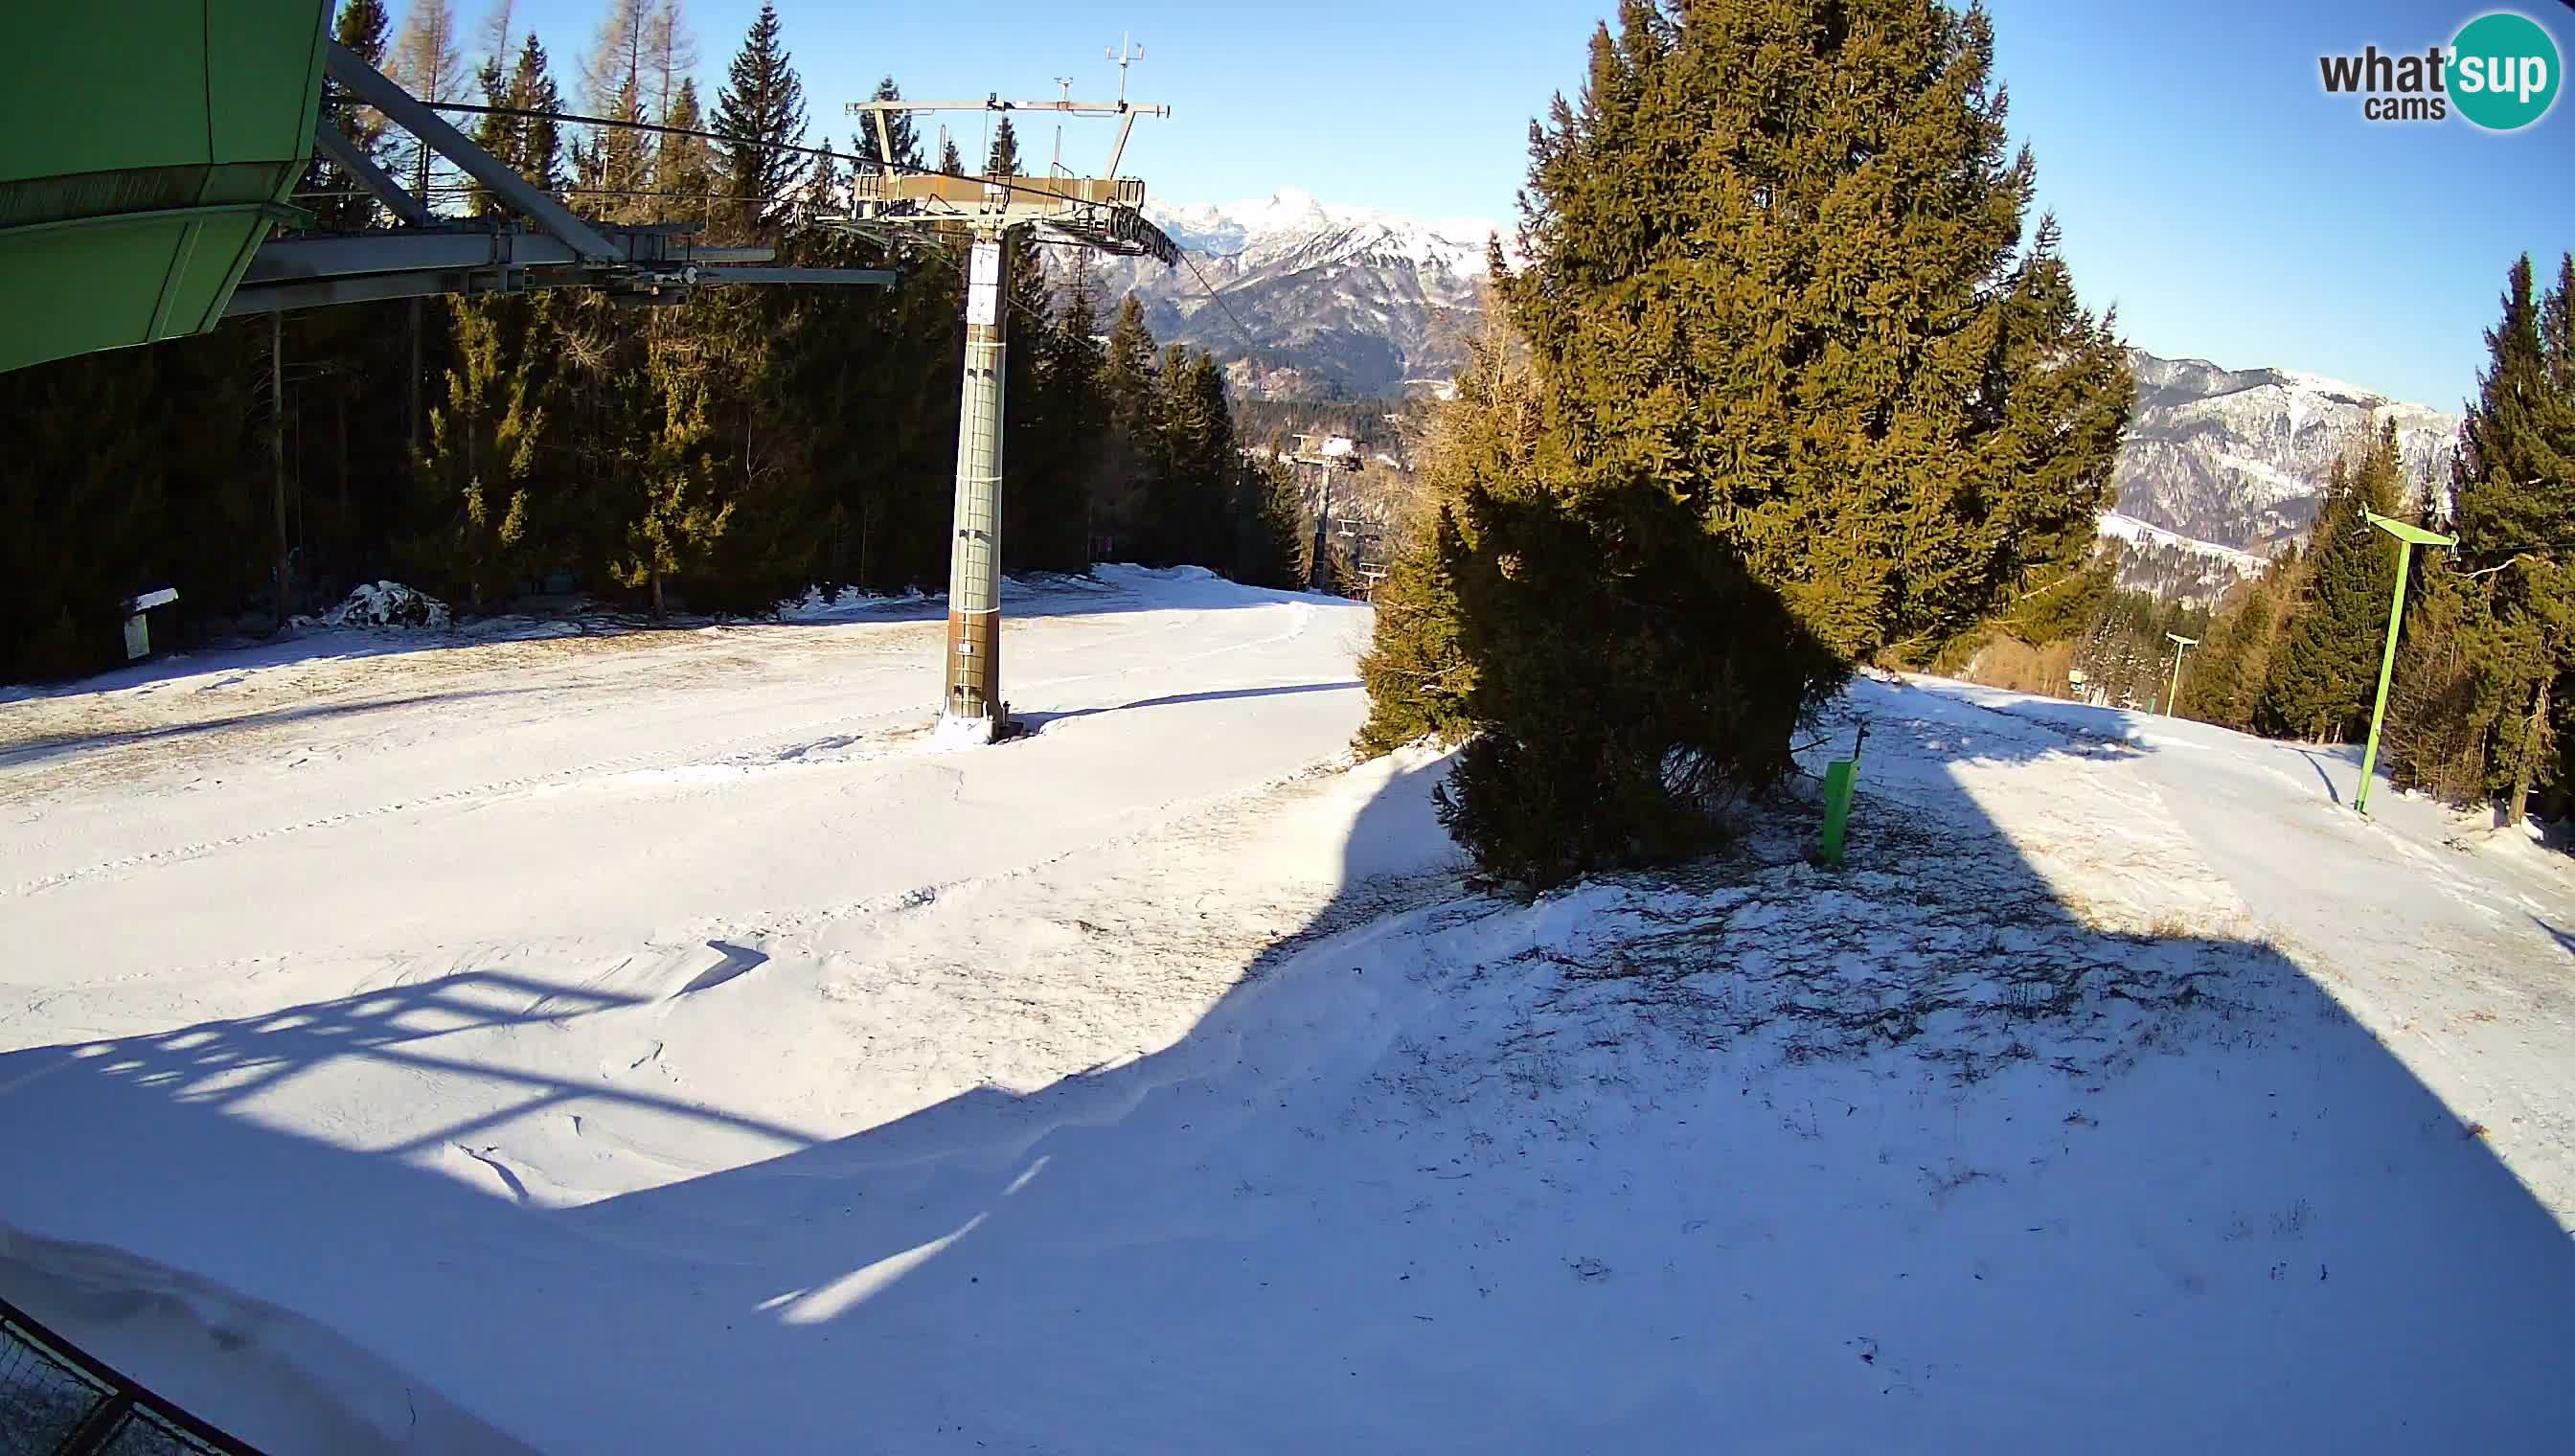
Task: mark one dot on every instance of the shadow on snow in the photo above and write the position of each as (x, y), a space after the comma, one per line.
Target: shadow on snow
(1949, 1169)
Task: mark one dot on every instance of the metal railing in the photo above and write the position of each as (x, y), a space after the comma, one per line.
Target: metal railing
(55, 1400)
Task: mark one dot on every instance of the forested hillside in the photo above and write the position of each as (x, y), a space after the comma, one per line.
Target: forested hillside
(723, 453)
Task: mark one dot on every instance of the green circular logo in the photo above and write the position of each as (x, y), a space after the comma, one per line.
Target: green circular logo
(2504, 71)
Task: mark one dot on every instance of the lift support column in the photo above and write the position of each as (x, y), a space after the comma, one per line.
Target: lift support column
(974, 709)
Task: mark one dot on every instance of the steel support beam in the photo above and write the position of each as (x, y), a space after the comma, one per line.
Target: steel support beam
(369, 85)
(344, 154)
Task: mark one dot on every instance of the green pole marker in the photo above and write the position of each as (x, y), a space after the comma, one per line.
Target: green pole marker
(1841, 777)
(2407, 537)
(2172, 700)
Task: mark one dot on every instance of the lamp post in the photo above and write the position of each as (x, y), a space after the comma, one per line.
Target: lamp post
(2407, 537)
(2181, 644)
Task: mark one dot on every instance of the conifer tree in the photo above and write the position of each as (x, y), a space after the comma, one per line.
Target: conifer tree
(2516, 516)
(949, 161)
(1816, 323)
(899, 129)
(1122, 527)
(684, 167)
(1075, 436)
(483, 443)
(2323, 680)
(495, 132)
(1004, 159)
(677, 518)
(2445, 702)
(762, 108)
(1806, 396)
(623, 157)
(539, 144)
(1191, 458)
(347, 207)
(2229, 668)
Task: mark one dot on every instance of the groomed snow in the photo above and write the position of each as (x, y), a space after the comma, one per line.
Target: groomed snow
(643, 1042)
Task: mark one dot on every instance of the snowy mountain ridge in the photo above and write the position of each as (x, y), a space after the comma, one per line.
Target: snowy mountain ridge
(1291, 226)
(1306, 298)
(2239, 459)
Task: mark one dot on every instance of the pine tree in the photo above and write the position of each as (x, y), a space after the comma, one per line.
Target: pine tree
(483, 437)
(1004, 159)
(346, 206)
(2323, 680)
(676, 520)
(1805, 396)
(2516, 517)
(2230, 667)
(1123, 525)
(1813, 323)
(2445, 703)
(623, 158)
(1074, 438)
(617, 56)
(684, 169)
(1192, 460)
(495, 132)
(539, 145)
(949, 161)
(899, 129)
(762, 107)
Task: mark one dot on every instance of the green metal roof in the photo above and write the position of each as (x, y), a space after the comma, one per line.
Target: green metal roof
(144, 157)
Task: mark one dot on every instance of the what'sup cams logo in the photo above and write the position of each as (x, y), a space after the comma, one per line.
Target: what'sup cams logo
(2502, 72)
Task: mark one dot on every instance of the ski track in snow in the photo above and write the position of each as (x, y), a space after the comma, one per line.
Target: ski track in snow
(734, 1071)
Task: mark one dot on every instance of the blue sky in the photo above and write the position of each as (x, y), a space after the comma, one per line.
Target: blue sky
(2206, 185)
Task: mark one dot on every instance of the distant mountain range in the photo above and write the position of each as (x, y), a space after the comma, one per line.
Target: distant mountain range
(1309, 300)
(2222, 466)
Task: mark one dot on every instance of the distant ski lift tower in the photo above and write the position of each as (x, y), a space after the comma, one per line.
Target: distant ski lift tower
(1105, 213)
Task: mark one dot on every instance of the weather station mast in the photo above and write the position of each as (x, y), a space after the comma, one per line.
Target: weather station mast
(997, 214)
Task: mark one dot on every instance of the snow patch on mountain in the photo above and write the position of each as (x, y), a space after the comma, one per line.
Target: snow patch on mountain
(2239, 459)
(1301, 298)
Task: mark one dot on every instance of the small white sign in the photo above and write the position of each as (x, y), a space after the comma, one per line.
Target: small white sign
(964, 649)
(984, 286)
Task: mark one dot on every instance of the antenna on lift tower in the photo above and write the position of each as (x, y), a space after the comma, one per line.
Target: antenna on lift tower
(1124, 56)
(1103, 213)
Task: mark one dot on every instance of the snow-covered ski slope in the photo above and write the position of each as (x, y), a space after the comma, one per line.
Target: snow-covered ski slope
(648, 1042)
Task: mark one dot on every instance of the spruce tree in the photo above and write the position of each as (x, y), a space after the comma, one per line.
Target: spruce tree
(676, 518)
(1122, 528)
(762, 108)
(347, 207)
(1806, 394)
(2516, 517)
(899, 129)
(1004, 159)
(1074, 438)
(540, 142)
(684, 167)
(2323, 680)
(484, 436)
(495, 132)
(1778, 269)
(949, 161)
(624, 159)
